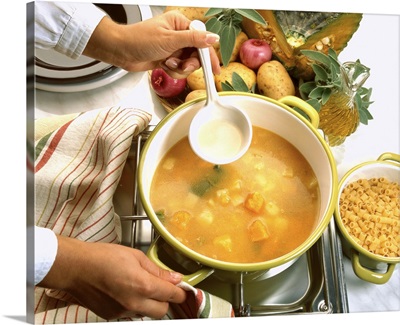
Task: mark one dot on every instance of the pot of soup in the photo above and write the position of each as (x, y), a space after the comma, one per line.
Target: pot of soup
(248, 217)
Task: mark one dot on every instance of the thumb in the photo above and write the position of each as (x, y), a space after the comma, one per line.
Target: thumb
(196, 38)
(170, 276)
(152, 268)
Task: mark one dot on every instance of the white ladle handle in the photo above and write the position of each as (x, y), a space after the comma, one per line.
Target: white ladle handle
(204, 53)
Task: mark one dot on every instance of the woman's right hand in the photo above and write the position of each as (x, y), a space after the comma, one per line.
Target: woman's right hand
(112, 280)
(162, 41)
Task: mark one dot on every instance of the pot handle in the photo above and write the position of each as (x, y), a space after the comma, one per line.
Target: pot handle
(303, 106)
(369, 275)
(389, 156)
(192, 279)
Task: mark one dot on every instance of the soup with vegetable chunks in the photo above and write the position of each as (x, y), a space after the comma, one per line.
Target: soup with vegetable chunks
(255, 209)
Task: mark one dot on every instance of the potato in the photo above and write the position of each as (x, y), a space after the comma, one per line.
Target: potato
(274, 81)
(248, 75)
(195, 80)
(191, 12)
(240, 39)
(195, 94)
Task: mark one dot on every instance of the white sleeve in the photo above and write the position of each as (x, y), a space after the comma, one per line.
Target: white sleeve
(65, 27)
(46, 245)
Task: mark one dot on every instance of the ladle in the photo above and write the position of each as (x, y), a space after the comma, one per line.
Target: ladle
(219, 133)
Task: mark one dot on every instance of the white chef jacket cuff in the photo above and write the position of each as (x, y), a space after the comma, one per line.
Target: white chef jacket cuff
(78, 31)
(46, 245)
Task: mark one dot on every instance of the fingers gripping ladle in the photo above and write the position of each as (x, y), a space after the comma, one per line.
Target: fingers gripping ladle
(219, 133)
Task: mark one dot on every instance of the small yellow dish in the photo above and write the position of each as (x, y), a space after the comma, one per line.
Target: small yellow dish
(370, 265)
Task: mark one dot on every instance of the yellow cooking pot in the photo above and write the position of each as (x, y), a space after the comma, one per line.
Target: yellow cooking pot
(298, 126)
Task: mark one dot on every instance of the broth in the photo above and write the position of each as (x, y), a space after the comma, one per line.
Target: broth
(257, 208)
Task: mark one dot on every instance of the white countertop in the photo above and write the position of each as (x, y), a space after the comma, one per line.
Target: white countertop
(381, 135)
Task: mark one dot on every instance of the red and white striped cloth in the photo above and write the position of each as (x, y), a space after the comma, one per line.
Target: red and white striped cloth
(79, 159)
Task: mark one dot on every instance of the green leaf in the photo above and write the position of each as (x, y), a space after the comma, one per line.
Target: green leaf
(317, 56)
(238, 83)
(314, 103)
(298, 110)
(325, 95)
(316, 93)
(320, 73)
(370, 117)
(365, 116)
(334, 67)
(358, 70)
(227, 86)
(332, 53)
(365, 96)
(235, 19)
(213, 12)
(252, 15)
(337, 83)
(306, 87)
(214, 25)
(358, 101)
(227, 43)
(161, 215)
(333, 56)
(365, 91)
(207, 182)
(367, 113)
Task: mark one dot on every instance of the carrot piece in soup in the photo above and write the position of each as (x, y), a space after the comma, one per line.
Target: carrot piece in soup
(254, 202)
(258, 231)
(180, 219)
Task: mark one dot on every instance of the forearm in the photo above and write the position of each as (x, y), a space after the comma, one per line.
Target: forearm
(106, 43)
(63, 272)
(129, 47)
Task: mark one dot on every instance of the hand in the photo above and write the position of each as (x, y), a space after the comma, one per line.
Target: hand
(162, 41)
(113, 281)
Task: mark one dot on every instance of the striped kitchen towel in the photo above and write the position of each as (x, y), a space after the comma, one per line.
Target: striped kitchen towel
(78, 162)
(77, 169)
(200, 304)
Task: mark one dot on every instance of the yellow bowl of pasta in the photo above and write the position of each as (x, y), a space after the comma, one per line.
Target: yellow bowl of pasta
(368, 216)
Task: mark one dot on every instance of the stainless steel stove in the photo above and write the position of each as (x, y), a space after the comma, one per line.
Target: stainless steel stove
(314, 283)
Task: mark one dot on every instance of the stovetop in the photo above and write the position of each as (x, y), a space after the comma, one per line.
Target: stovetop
(313, 283)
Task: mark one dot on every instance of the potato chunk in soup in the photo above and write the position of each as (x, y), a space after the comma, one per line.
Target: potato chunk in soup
(257, 208)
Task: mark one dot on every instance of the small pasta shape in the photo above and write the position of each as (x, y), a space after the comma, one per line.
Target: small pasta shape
(370, 211)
